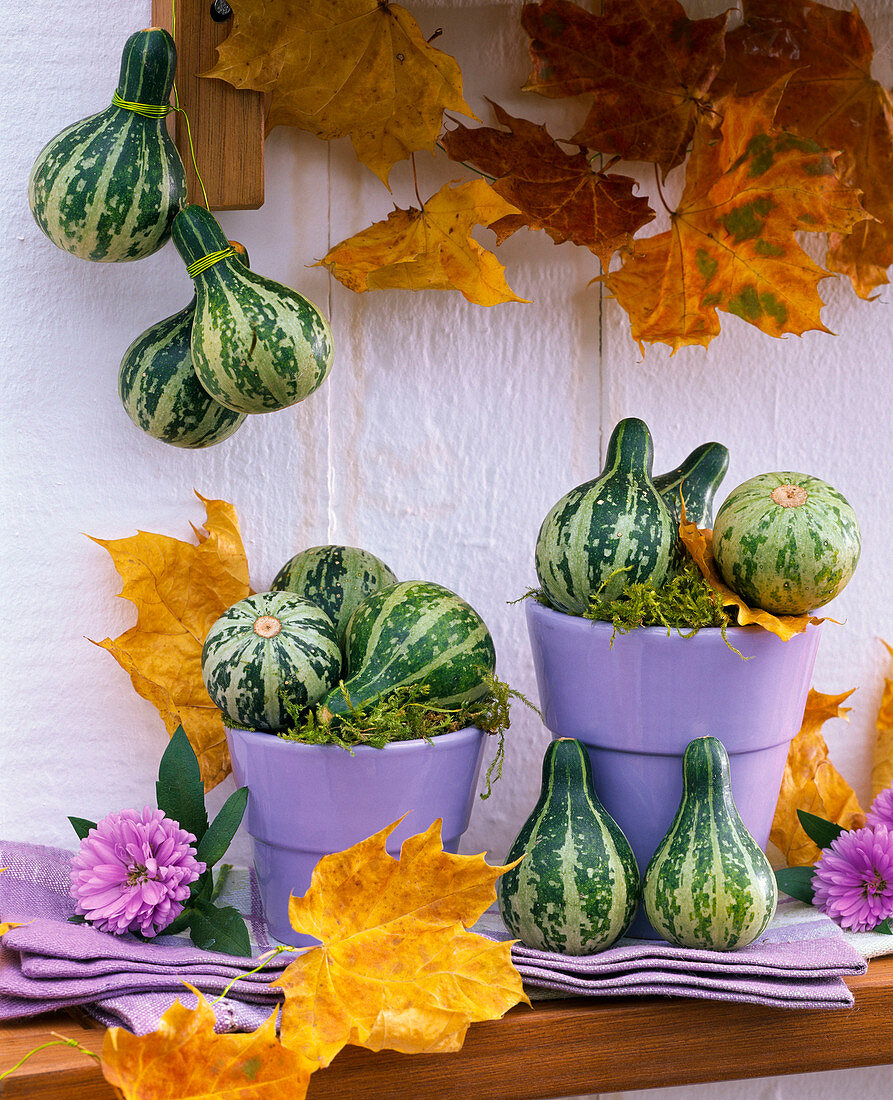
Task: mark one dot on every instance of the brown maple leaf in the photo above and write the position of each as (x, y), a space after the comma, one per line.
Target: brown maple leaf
(831, 97)
(179, 591)
(396, 968)
(812, 783)
(344, 67)
(731, 245)
(646, 64)
(429, 249)
(185, 1058)
(553, 190)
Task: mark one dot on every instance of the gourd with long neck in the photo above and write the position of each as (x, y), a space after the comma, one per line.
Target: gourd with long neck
(257, 345)
(108, 187)
(694, 481)
(607, 532)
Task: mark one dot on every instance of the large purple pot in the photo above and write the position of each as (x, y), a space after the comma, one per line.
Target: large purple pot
(637, 705)
(307, 801)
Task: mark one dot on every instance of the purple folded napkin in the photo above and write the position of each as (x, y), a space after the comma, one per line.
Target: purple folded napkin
(799, 962)
(49, 963)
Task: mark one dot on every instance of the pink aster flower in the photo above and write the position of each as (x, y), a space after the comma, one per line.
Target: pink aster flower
(853, 880)
(133, 871)
(881, 812)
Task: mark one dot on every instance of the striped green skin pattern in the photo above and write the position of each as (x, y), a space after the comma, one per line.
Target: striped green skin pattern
(338, 578)
(161, 392)
(709, 884)
(257, 346)
(787, 558)
(695, 482)
(108, 187)
(415, 632)
(264, 645)
(577, 888)
(616, 521)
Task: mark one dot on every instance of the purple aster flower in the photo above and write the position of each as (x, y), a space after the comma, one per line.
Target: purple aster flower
(853, 880)
(133, 871)
(881, 812)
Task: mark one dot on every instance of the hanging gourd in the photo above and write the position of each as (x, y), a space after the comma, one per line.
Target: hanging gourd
(257, 345)
(709, 883)
(160, 390)
(108, 187)
(576, 888)
(617, 521)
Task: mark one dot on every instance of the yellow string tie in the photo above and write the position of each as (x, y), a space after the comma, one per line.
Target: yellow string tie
(204, 262)
(149, 110)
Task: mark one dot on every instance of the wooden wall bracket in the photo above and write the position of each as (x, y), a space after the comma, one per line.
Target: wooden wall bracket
(227, 124)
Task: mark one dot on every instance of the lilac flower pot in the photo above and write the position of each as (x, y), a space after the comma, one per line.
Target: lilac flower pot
(638, 705)
(307, 801)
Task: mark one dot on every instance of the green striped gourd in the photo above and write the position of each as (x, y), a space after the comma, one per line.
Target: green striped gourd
(786, 542)
(264, 647)
(107, 188)
(709, 883)
(338, 578)
(160, 390)
(257, 345)
(577, 887)
(695, 481)
(616, 521)
(415, 632)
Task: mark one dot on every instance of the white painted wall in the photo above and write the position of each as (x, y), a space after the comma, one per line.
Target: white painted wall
(442, 437)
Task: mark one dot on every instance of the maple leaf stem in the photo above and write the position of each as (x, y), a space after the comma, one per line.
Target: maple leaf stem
(660, 192)
(470, 167)
(415, 182)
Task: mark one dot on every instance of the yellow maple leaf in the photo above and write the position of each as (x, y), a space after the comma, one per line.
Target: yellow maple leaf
(179, 591)
(732, 246)
(812, 783)
(396, 967)
(361, 68)
(185, 1058)
(882, 763)
(429, 249)
(699, 544)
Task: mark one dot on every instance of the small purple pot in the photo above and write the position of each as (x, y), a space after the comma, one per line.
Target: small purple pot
(307, 801)
(637, 705)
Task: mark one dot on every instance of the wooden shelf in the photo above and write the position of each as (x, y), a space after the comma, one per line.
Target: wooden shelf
(556, 1048)
(227, 124)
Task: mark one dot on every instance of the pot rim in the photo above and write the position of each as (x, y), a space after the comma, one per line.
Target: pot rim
(269, 741)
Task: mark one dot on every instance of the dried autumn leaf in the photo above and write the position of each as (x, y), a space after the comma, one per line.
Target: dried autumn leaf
(429, 249)
(553, 190)
(397, 967)
(882, 764)
(179, 591)
(731, 246)
(344, 67)
(647, 65)
(185, 1060)
(699, 544)
(831, 97)
(812, 783)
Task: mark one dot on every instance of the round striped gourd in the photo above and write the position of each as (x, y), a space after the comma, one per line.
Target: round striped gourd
(577, 887)
(160, 390)
(338, 578)
(709, 883)
(107, 188)
(616, 521)
(415, 632)
(786, 542)
(264, 647)
(257, 345)
(695, 481)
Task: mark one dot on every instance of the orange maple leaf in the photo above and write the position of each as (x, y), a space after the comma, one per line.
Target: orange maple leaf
(396, 967)
(731, 246)
(831, 97)
(882, 761)
(179, 591)
(812, 783)
(553, 190)
(647, 65)
(185, 1058)
(429, 249)
(344, 67)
